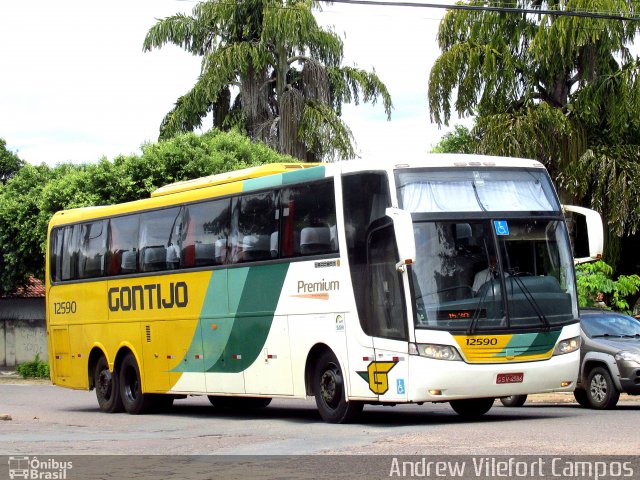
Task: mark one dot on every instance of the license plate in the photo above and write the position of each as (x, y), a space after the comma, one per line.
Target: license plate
(510, 378)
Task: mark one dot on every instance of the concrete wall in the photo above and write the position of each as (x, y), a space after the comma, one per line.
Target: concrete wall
(23, 331)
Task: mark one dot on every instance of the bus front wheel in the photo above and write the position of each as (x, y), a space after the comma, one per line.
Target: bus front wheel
(107, 387)
(329, 391)
(133, 400)
(473, 407)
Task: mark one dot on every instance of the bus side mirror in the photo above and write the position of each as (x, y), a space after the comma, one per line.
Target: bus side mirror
(585, 222)
(403, 227)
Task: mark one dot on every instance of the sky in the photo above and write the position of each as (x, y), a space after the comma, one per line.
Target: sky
(75, 85)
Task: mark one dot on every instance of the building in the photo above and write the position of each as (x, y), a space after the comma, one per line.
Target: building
(23, 331)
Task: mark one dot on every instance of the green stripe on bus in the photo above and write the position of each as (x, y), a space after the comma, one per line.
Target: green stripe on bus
(526, 344)
(288, 178)
(232, 331)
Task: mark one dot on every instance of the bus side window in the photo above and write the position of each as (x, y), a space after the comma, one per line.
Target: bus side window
(253, 222)
(157, 229)
(385, 309)
(309, 220)
(205, 232)
(122, 255)
(70, 252)
(93, 248)
(55, 254)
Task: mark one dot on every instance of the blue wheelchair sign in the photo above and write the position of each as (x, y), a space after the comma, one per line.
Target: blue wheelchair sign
(400, 386)
(501, 227)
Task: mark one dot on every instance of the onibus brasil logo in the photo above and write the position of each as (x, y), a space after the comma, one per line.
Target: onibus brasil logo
(33, 468)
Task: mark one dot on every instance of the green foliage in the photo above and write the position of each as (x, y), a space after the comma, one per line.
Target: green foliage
(460, 140)
(10, 163)
(285, 67)
(564, 90)
(34, 369)
(595, 278)
(21, 231)
(35, 193)
(609, 177)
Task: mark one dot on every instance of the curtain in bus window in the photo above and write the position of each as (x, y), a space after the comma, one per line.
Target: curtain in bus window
(460, 196)
(513, 195)
(439, 197)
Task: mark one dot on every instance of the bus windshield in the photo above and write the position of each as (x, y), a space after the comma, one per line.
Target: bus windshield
(476, 271)
(466, 277)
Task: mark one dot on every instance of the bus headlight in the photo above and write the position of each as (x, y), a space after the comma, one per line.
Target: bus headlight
(437, 352)
(567, 346)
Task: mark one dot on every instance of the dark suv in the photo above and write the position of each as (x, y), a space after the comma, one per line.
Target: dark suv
(609, 358)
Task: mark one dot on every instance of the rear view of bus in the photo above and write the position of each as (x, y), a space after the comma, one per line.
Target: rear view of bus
(474, 268)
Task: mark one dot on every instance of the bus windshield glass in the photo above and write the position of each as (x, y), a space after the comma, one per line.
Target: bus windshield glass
(481, 273)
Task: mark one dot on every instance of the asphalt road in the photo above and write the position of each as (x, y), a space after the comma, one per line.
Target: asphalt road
(52, 420)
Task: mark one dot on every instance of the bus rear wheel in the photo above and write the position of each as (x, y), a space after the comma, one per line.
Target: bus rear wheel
(473, 407)
(107, 387)
(328, 385)
(133, 400)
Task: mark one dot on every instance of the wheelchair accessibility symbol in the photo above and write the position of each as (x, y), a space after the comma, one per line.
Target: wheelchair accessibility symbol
(501, 227)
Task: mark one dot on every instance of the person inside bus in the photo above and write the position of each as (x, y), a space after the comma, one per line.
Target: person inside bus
(485, 275)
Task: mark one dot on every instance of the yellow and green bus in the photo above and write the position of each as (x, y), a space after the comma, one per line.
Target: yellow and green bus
(448, 279)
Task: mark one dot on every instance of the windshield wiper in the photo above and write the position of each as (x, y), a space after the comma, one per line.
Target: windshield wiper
(476, 315)
(635, 335)
(606, 335)
(532, 301)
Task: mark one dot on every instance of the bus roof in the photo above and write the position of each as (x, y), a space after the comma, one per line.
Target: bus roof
(256, 177)
(230, 177)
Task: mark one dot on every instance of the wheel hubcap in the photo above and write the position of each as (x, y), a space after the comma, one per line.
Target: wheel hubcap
(329, 386)
(105, 383)
(598, 388)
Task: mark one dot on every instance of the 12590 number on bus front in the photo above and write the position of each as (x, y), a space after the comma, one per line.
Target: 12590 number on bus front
(64, 308)
(482, 342)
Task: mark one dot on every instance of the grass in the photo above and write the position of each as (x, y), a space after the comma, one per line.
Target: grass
(34, 369)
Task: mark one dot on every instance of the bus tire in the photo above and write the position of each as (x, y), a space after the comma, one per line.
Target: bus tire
(601, 391)
(513, 400)
(133, 400)
(581, 397)
(107, 387)
(220, 401)
(329, 388)
(473, 407)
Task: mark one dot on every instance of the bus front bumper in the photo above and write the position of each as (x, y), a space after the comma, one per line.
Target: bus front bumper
(442, 380)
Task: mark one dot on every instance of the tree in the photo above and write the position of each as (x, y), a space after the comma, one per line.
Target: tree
(21, 247)
(460, 140)
(596, 278)
(35, 193)
(10, 163)
(285, 69)
(562, 89)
